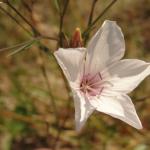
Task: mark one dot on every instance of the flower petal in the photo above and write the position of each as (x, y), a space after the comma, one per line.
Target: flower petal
(105, 47)
(83, 110)
(128, 73)
(70, 60)
(120, 107)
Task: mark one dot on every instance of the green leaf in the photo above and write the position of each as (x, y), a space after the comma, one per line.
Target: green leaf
(22, 48)
(16, 45)
(57, 5)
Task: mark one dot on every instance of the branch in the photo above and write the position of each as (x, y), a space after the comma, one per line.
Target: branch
(22, 17)
(92, 12)
(44, 73)
(49, 38)
(90, 19)
(97, 18)
(45, 49)
(62, 14)
(16, 45)
(43, 68)
(13, 18)
(26, 43)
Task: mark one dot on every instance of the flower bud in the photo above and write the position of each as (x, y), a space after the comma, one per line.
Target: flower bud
(76, 40)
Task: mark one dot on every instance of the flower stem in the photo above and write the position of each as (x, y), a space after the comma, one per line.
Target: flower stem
(90, 19)
(61, 22)
(88, 29)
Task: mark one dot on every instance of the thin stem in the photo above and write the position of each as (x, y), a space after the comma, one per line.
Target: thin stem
(90, 18)
(23, 18)
(104, 11)
(98, 17)
(25, 43)
(43, 68)
(49, 38)
(44, 73)
(68, 105)
(13, 18)
(92, 12)
(16, 45)
(62, 14)
(28, 7)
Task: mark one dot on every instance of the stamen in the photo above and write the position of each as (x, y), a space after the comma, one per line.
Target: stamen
(92, 85)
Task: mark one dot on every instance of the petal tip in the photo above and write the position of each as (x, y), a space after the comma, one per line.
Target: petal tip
(137, 124)
(110, 22)
(139, 127)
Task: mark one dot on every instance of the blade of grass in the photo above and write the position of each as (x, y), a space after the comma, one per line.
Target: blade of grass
(22, 48)
(15, 46)
(57, 5)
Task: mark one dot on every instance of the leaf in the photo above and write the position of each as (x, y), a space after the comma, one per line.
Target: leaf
(20, 49)
(57, 5)
(16, 45)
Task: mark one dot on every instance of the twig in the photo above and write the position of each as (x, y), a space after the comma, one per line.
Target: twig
(104, 11)
(91, 12)
(28, 7)
(97, 18)
(13, 18)
(44, 73)
(90, 18)
(45, 49)
(43, 68)
(68, 103)
(62, 14)
(20, 49)
(25, 43)
(30, 10)
(35, 31)
(16, 45)
(21, 16)
(49, 37)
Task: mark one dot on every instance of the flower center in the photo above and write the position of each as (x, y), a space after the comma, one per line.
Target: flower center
(91, 84)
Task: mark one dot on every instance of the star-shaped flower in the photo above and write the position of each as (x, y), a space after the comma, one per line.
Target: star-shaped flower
(99, 79)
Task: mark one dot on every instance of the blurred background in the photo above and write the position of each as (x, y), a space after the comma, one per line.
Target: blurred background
(36, 111)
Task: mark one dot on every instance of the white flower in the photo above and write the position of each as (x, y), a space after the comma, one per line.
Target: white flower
(99, 79)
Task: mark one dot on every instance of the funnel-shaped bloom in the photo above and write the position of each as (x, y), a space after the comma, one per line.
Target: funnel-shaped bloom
(99, 79)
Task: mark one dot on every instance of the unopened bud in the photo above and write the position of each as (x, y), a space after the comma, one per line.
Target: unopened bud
(76, 40)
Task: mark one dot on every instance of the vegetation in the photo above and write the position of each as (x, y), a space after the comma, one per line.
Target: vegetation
(36, 107)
